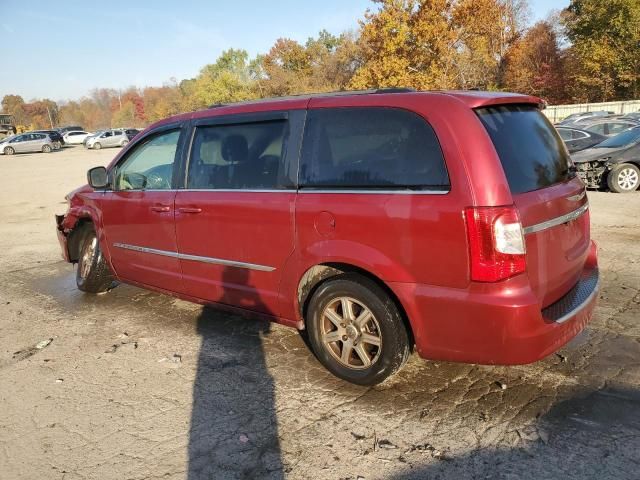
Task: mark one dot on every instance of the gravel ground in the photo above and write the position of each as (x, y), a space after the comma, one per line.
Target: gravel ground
(136, 385)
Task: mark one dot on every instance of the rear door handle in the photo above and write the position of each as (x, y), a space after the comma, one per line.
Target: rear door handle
(189, 210)
(161, 208)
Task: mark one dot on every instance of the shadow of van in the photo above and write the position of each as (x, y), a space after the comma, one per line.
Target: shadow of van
(234, 431)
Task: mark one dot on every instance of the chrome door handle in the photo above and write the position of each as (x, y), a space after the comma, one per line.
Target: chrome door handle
(161, 208)
(189, 210)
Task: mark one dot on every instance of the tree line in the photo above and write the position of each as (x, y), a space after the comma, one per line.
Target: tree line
(588, 52)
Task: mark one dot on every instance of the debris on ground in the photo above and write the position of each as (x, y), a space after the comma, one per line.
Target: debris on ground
(562, 358)
(44, 343)
(386, 444)
(27, 352)
(243, 438)
(113, 348)
(59, 380)
(357, 436)
(501, 385)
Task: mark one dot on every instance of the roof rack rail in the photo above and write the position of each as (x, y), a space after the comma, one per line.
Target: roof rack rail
(338, 93)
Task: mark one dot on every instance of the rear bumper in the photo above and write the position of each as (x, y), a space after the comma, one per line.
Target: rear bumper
(497, 324)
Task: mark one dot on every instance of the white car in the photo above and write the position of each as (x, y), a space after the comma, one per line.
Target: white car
(75, 137)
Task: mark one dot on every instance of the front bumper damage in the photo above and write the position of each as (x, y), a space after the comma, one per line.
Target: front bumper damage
(594, 173)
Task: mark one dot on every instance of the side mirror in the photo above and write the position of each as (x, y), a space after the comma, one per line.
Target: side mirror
(98, 177)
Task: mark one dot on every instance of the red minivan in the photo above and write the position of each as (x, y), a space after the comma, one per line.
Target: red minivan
(376, 221)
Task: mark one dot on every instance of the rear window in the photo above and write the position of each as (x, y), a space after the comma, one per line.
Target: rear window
(532, 153)
(371, 148)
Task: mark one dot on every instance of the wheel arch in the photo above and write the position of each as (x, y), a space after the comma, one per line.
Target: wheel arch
(76, 235)
(318, 274)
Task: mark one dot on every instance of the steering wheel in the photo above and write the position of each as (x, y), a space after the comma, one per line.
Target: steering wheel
(157, 181)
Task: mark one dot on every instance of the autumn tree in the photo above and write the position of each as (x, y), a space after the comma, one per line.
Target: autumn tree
(435, 44)
(535, 65)
(14, 105)
(604, 56)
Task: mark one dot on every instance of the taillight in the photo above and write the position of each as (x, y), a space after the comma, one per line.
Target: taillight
(496, 243)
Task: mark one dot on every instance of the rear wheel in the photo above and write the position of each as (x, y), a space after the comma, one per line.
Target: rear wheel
(93, 274)
(624, 178)
(46, 148)
(124, 143)
(97, 146)
(356, 330)
(9, 151)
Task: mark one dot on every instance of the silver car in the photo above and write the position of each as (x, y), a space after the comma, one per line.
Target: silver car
(110, 138)
(26, 142)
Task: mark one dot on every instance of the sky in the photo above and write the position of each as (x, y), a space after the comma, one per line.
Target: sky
(63, 52)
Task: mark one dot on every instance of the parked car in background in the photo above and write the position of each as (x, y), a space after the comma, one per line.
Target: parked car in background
(577, 139)
(635, 116)
(69, 128)
(76, 137)
(26, 142)
(614, 163)
(578, 117)
(131, 133)
(109, 138)
(54, 135)
(608, 128)
(380, 226)
(94, 134)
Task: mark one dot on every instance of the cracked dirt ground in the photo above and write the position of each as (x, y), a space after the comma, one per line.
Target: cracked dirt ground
(136, 385)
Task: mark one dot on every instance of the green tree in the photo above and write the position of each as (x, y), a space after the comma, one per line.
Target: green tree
(229, 79)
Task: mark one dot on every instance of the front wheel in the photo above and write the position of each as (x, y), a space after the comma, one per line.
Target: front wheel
(9, 151)
(97, 146)
(624, 178)
(356, 330)
(93, 274)
(124, 143)
(46, 149)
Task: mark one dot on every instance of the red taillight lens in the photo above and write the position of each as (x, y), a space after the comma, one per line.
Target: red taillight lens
(496, 243)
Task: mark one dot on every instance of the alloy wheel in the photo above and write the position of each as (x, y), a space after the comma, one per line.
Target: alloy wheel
(351, 333)
(628, 179)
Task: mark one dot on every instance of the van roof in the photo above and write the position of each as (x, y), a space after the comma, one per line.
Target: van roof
(471, 98)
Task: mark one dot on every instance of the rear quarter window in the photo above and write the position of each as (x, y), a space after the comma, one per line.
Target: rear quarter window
(532, 154)
(371, 148)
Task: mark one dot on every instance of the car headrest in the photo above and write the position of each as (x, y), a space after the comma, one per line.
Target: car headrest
(235, 149)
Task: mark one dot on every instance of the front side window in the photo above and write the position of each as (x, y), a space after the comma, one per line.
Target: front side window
(371, 148)
(241, 156)
(149, 165)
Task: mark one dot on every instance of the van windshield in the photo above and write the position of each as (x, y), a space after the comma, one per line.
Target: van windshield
(532, 153)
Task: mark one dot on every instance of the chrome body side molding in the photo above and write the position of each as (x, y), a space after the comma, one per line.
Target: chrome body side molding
(195, 258)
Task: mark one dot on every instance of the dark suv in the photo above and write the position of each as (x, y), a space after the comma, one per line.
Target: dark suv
(374, 221)
(55, 137)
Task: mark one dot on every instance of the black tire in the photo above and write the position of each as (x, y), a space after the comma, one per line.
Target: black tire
(124, 143)
(624, 178)
(385, 359)
(97, 146)
(9, 151)
(46, 149)
(92, 274)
